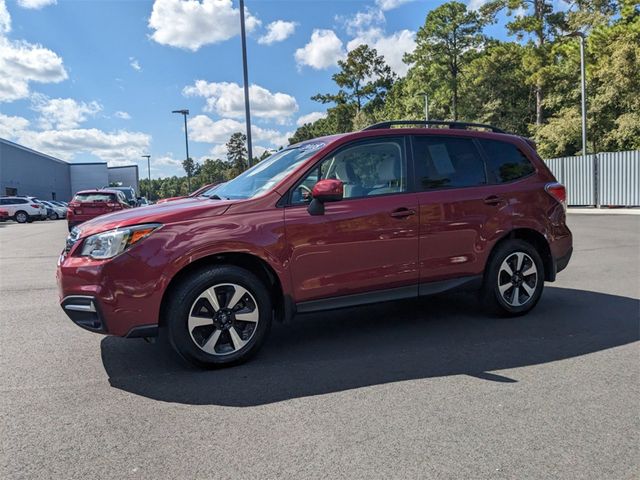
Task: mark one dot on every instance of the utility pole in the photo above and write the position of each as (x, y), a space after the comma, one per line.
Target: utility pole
(246, 83)
(148, 157)
(426, 105)
(184, 112)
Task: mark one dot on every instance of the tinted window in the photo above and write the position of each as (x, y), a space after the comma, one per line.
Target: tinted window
(447, 162)
(95, 197)
(20, 200)
(505, 162)
(375, 167)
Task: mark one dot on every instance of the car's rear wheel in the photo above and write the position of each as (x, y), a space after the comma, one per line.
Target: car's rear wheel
(21, 217)
(53, 216)
(218, 316)
(514, 279)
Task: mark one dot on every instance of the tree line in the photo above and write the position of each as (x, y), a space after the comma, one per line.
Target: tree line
(529, 85)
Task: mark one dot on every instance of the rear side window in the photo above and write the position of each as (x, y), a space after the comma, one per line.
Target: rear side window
(447, 162)
(95, 197)
(505, 162)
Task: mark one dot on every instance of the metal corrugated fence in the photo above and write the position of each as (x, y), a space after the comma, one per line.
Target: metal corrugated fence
(608, 178)
(619, 178)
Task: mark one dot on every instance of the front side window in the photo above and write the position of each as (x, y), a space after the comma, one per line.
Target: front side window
(505, 162)
(447, 162)
(369, 168)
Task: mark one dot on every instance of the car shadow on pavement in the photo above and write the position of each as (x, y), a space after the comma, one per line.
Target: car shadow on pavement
(357, 347)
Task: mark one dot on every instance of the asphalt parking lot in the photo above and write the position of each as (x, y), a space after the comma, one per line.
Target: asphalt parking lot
(424, 389)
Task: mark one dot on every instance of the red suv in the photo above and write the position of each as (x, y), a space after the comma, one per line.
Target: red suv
(88, 204)
(371, 216)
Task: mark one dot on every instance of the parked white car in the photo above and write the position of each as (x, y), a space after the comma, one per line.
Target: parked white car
(23, 209)
(56, 211)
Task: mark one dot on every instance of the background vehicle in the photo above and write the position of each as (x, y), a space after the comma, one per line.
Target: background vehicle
(370, 216)
(143, 202)
(89, 204)
(129, 194)
(21, 209)
(4, 215)
(199, 191)
(56, 211)
(44, 214)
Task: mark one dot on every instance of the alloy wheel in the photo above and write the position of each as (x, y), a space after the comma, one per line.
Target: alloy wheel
(223, 319)
(517, 279)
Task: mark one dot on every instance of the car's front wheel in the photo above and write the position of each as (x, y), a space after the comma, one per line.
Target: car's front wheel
(514, 279)
(218, 316)
(53, 216)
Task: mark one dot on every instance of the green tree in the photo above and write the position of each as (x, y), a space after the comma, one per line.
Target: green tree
(363, 79)
(445, 44)
(237, 152)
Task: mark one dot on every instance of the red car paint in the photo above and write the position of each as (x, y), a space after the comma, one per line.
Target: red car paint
(359, 245)
(81, 208)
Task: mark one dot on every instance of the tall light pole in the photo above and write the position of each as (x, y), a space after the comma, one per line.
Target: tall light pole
(184, 112)
(426, 105)
(246, 83)
(583, 81)
(148, 157)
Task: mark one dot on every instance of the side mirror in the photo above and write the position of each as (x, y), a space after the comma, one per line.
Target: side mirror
(325, 191)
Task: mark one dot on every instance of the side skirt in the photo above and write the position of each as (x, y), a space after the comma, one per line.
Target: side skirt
(378, 296)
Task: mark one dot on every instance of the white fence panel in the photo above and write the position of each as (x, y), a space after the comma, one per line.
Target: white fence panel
(577, 174)
(619, 178)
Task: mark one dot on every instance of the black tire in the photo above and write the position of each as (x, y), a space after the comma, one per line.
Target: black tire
(183, 301)
(53, 216)
(505, 303)
(21, 216)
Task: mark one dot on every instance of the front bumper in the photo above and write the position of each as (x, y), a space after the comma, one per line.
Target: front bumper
(121, 296)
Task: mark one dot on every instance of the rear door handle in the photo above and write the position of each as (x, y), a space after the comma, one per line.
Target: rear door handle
(493, 200)
(402, 212)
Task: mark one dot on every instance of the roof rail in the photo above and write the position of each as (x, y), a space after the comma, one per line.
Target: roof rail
(455, 125)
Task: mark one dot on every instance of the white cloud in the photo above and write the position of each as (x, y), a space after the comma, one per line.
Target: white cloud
(476, 4)
(35, 4)
(362, 20)
(204, 129)
(323, 50)
(22, 62)
(277, 32)
(122, 115)
(190, 24)
(391, 47)
(227, 100)
(310, 118)
(166, 161)
(135, 64)
(390, 4)
(5, 19)
(62, 113)
(10, 126)
(116, 148)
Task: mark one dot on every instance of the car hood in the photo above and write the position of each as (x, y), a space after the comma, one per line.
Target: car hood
(170, 212)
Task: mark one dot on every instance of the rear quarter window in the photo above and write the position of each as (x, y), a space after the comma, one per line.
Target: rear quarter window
(95, 197)
(505, 162)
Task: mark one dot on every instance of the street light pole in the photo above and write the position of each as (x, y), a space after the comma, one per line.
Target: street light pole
(246, 83)
(583, 82)
(184, 112)
(426, 105)
(148, 157)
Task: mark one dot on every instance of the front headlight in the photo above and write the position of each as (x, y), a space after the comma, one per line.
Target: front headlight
(113, 242)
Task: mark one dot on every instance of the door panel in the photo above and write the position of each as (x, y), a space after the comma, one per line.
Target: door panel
(356, 246)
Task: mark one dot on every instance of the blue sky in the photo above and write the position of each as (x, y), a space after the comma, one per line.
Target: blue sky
(87, 80)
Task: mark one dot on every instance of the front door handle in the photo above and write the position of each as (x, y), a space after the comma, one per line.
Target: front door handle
(493, 200)
(402, 212)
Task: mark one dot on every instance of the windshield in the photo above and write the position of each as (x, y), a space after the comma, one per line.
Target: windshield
(266, 174)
